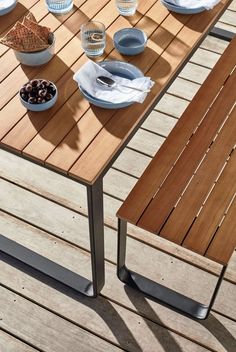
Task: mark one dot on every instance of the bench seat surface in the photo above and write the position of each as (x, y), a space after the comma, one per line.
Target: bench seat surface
(187, 193)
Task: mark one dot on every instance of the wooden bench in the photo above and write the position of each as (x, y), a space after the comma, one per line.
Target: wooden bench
(187, 193)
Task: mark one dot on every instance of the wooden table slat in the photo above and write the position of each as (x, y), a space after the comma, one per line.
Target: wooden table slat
(58, 123)
(8, 61)
(65, 154)
(175, 40)
(222, 253)
(216, 205)
(171, 149)
(111, 138)
(11, 85)
(189, 160)
(22, 8)
(176, 227)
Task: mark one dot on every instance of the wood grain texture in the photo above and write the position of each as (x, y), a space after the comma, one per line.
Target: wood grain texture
(176, 141)
(177, 225)
(26, 319)
(207, 222)
(187, 162)
(193, 171)
(70, 194)
(80, 136)
(226, 234)
(172, 37)
(119, 315)
(9, 343)
(78, 310)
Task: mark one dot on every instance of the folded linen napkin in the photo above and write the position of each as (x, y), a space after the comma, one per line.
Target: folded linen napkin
(86, 78)
(192, 4)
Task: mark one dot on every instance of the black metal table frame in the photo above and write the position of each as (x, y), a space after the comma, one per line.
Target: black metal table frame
(95, 215)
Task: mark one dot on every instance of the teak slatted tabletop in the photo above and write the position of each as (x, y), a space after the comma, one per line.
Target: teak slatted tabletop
(74, 138)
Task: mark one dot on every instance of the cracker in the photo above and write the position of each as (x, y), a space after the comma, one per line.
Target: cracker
(21, 38)
(41, 31)
(31, 17)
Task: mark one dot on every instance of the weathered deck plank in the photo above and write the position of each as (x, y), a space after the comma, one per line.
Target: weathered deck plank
(74, 306)
(26, 319)
(119, 316)
(8, 343)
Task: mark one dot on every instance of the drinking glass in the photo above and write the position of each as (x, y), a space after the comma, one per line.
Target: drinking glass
(127, 7)
(93, 37)
(59, 6)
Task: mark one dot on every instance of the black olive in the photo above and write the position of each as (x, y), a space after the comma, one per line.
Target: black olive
(39, 100)
(34, 82)
(49, 96)
(45, 83)
(28, 87)
(42, 93)
(22, 90)
(33, 94)
(52, 89)
(32, 100)
(24, 96)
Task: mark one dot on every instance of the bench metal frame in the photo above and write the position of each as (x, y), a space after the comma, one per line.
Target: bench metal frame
(158, 292)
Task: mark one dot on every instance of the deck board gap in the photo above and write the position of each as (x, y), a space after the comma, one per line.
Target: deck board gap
(20, 339)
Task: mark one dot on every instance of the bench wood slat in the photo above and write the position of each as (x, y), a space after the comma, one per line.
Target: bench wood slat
(164, 201)
(155, 173)
(177, 225)
(220, 248)
(206, 224)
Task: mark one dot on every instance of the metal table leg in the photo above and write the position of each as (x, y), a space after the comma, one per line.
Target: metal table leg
(160, 293)
(96, 230)
(58, 272)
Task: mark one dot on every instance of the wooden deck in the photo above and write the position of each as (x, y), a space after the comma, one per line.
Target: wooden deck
(42, 211)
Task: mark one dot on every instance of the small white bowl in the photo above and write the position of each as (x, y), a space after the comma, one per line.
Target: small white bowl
(37, 58)
(43, 106)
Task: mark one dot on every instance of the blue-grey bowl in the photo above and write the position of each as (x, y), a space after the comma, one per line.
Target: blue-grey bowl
(37, 58)
(43, 106)
(119, 68)
(7, 6)
(130, 41)
(181, 9)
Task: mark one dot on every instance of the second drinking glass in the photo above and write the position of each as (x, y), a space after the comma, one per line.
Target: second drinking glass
(59, 7)
(127, 7)
(93, 37)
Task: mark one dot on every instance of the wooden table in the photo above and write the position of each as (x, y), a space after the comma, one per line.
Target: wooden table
(78, 140)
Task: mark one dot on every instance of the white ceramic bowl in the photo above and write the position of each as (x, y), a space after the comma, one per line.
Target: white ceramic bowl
(37, 58)
(43, 106)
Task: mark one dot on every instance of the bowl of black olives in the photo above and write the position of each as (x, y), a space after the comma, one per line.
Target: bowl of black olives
(38, 94)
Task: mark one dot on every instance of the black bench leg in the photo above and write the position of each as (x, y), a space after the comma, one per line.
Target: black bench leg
(162, 294)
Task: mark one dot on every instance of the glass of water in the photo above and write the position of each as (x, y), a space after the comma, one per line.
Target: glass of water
(127, 7)
(59, 6)
(93, 37)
